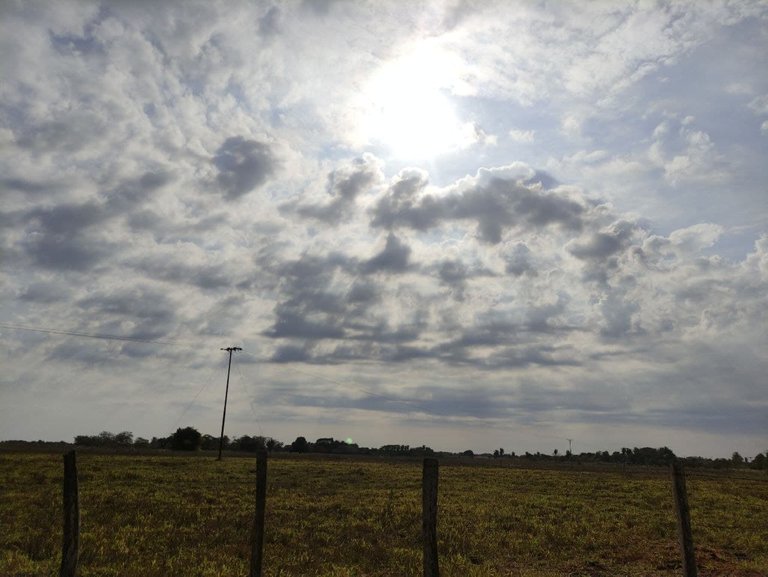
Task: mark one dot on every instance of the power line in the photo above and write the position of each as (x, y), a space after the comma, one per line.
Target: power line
(91, 335)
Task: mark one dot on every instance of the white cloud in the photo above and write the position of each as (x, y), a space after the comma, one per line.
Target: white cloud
(759, 104)
(522, 135)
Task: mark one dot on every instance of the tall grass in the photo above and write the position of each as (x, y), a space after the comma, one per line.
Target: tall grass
(166, 516)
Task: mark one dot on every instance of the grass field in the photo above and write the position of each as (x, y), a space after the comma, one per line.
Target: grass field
(145, 516)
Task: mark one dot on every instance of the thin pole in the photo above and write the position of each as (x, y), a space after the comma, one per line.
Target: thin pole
(226, 394)
(257, 536)
(683, 519)
(70, 549)
(429, 517)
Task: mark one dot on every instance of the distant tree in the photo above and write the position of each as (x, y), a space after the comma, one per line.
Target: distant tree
(211, 443)
(469, 453)
(124, 438)
(83, 440)
(496, 454)
(737, 459)
(186, 439)
(300, 445)
(760, 461)
(273, 445)
(249, 444)
(395, 450)
(106, 439)
(141, 443)
(554, 452)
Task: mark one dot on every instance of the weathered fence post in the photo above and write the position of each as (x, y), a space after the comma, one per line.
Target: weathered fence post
(71, 541)
(429, 517)
(257, 537)
(683, 519)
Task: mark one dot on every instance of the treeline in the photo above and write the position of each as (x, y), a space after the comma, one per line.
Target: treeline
(184, 439)
(644, 456)
(190, 439)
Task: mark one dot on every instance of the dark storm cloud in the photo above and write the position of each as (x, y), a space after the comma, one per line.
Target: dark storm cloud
(601, 250)
(243, 165)
(521, 357)
(402, 205)
(25, 185)
(310, 308)
(519, 260)
(454, 274)
(67, 218)
(363, 291)
(60, 237)
(393, 258)
(508, 332)
(151, 311)
(271, 23)
(324, 299)
(291, 354)
(69, 132)
(45, 293)
(344, 186)
(206, 276)
(146, 220)
(133, 193)
(617, 312)
(291, 323)
(603, 244)
(497, 205)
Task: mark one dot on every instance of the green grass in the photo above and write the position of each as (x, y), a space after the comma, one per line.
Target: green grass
(169, 515)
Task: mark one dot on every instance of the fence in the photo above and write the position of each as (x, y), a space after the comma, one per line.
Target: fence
(430, 473)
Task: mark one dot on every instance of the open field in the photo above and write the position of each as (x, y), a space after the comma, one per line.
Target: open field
(145, 516)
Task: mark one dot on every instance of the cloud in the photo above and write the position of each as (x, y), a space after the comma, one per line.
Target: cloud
(344, 185)
(393, 258)
(243, 165)
(142, 312)
(522, 135)
(496, 206)
(603, 244)
(686, 155)
(518, 260)
(63, 237)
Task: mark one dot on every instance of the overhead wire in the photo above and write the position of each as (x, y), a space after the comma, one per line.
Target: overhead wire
(92, 335)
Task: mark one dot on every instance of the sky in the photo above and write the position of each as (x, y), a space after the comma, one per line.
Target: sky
(469, 225)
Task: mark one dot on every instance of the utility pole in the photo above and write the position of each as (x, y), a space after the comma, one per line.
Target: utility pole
(230, 350)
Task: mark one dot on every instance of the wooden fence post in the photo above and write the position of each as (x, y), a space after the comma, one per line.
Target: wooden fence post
(429, 517)
(71, 541)
(683, 519)
(257, 537)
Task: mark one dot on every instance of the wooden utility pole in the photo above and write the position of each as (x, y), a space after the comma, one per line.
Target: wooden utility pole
(70, 548)
(429, 517)
(683, 519)
(230, 350)
(257, 535)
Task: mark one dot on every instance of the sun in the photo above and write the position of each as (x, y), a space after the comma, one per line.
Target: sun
(408, 109)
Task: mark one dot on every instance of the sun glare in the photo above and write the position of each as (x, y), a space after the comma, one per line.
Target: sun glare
(408, 109)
